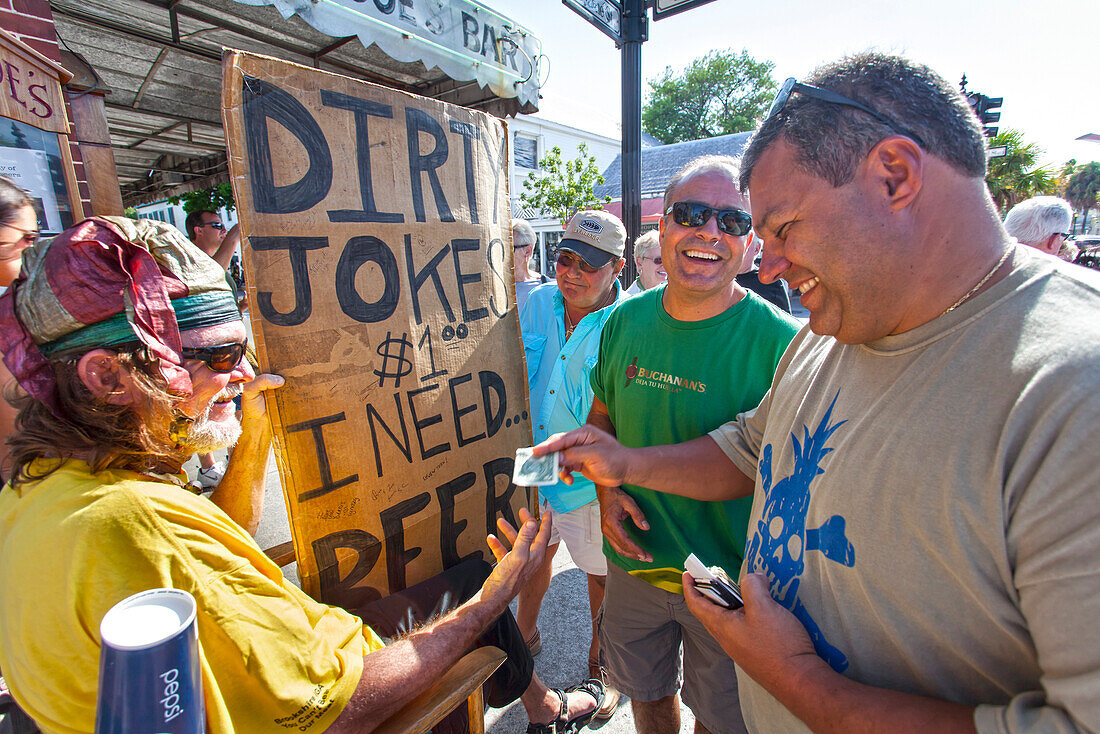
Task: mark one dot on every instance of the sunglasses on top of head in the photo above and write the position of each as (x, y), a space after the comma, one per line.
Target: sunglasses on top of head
(736, 222)
(220, 358)
(792, 85)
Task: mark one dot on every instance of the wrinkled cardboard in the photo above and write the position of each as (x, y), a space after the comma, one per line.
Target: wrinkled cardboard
(379, 265)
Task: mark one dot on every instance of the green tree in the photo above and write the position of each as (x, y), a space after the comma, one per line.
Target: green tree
(723, 92)
(210, 200)
(1016, 176)
(563, 188)
(1083, 188)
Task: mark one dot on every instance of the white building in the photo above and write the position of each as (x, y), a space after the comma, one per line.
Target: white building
(531, 137)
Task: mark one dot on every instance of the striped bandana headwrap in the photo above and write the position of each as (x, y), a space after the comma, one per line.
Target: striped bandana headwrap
(110, 281)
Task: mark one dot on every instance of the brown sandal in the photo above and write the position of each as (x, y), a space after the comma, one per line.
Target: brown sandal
(610, 694)
(564, 725)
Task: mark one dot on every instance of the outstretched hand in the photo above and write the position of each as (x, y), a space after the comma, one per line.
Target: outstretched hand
(592, 452)
(517, 565)
(763, 638)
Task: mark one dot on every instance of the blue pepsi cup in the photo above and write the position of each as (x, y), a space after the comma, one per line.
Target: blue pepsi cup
(149, 675)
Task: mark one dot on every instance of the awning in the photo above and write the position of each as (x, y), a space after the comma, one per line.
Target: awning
(161, 62)
(464, 39)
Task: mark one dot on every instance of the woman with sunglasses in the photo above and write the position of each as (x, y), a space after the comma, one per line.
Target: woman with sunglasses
(647, 256)
(18, 228)
(18, 231)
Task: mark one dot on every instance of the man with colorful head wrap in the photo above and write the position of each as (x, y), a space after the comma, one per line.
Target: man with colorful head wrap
(128, 343)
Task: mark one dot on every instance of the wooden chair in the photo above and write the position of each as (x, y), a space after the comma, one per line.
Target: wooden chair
(459, 685)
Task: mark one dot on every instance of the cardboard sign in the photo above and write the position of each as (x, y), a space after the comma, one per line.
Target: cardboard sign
(379, 263)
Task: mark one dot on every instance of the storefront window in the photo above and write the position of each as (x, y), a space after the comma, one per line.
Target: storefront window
(32, 159)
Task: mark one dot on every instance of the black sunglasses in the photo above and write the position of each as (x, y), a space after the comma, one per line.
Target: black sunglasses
(736, 222)
(222, 358)
(565, 260)
(215, 225)
(792, 85)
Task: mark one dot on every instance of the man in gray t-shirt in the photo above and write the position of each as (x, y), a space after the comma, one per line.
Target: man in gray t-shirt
(924, 535)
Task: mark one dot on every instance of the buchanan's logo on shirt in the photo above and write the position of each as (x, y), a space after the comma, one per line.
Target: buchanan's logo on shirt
(661, 380)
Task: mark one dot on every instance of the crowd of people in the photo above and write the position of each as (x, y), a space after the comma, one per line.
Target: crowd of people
(903, 486)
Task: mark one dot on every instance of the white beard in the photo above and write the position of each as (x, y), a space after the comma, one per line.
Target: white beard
(206, 435)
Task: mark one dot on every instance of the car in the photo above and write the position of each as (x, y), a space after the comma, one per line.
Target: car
(1089, 254)
(1085, 241)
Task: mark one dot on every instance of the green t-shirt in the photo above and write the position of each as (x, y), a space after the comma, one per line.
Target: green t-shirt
(666, 381)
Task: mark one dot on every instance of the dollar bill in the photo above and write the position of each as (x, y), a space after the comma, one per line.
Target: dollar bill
(534, 471)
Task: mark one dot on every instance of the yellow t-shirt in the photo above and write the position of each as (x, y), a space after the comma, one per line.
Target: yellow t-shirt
(74, 544)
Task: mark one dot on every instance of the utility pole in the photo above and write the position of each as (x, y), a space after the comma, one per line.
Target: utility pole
(627, 23)
(635, 30)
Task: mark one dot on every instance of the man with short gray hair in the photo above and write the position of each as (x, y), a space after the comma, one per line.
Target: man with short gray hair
(523, 247)
(924, 529)
(1042, 222)
(675, 362)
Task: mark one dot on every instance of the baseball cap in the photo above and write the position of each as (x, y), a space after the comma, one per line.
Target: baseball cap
(596, 236)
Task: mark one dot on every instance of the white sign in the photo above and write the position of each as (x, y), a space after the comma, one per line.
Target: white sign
(30, 170)
(665, 8)
(466, 40)
(604, 14)
(997, 151)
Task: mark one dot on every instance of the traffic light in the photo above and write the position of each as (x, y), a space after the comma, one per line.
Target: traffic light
(983, 107)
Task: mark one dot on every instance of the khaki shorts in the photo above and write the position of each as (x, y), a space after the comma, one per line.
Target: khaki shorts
(580, 529)
(641, 631)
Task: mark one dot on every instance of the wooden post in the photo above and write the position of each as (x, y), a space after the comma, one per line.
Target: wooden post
(94, 140)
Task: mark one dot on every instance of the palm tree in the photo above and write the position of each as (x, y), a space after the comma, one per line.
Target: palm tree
(1015, 176)
(1083, 188)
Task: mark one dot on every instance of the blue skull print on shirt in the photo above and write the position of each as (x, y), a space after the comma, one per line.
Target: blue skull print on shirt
(781, 537)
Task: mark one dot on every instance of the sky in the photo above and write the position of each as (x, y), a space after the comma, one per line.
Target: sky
(1042, 57)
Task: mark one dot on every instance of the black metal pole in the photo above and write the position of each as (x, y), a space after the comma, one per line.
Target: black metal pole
(635, 32)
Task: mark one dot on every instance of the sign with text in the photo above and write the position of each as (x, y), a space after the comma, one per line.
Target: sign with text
(606, 15)
(30, 86)
(379, 265)
(464, 39)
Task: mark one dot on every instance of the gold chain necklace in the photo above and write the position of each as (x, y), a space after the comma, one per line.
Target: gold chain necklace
(972, 291)
(569, 325)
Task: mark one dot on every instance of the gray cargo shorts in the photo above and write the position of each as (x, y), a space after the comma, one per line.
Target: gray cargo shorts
(641, 630)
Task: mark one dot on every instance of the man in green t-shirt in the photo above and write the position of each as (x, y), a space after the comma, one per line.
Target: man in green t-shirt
(675, 362)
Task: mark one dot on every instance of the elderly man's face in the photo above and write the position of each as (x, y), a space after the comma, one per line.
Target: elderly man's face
(703, 260)
(211, 401)
(828, 244)
(582, 289)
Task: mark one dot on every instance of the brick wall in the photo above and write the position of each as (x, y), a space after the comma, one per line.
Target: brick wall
(31, 21)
